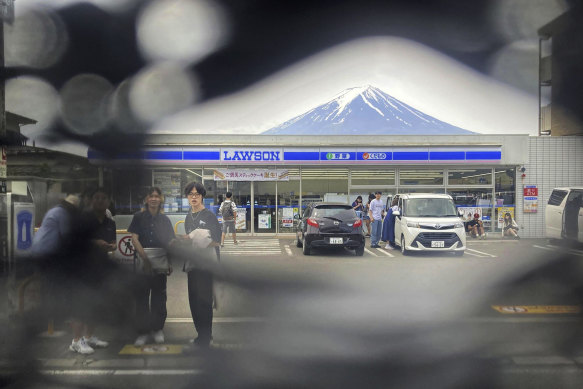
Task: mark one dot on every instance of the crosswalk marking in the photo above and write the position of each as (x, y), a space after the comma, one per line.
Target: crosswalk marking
(253, 247)
(288, 250)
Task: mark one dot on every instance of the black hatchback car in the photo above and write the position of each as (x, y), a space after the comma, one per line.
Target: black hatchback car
(330, 225)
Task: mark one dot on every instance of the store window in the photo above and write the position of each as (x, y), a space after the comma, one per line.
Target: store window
(372, 177)
(470, 177)
(324, 185)
(409, 177)
(472, 201)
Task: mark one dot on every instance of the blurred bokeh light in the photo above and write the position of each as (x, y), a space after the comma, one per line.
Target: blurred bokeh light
(34, 98)
(161, 90)
(181, 30)
(85, 102)
(36, 39)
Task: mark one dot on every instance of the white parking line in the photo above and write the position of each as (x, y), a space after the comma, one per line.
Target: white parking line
(559, 250)
(120, 372)
(386, 253)
(475, 255)
(370, 252)
(288, 250)
(480, 252)
(572, 250)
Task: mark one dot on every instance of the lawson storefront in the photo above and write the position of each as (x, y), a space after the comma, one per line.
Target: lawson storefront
(272, 178)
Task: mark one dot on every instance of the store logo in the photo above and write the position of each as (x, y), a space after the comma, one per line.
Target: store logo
(337, 156)
(251, 155)
(374, 156)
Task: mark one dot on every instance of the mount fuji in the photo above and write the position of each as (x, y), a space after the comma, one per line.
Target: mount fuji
(365, 111)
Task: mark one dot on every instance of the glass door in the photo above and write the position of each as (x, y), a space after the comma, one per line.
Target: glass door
(242, 197)
(265, 216)
(288, 205)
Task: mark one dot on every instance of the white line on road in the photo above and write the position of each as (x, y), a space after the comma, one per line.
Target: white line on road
(475, 255)
(370, 252)
(480, 252)
(386, 253)
(558, 250)
(122, 372)
(572, 250)
(217, 319)
(288, 250)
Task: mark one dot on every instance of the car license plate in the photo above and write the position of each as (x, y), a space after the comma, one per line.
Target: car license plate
(335, 240)
(437, 243)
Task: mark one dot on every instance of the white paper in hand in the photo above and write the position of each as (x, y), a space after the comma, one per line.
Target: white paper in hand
(201, 238)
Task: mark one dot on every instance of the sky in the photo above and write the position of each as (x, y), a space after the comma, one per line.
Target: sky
(415, 74)
(175, 35)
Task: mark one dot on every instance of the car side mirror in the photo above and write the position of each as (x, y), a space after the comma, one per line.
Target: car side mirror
(396, 213)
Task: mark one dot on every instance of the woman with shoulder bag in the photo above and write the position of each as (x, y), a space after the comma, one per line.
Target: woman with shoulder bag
(152, 235)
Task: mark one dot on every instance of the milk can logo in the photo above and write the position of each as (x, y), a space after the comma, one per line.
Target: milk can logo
(374, 156)
(337, 156)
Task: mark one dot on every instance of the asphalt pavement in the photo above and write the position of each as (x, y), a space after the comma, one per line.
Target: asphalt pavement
(513, 306)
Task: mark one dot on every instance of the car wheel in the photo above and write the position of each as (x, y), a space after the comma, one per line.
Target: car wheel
(404, 251)
(459, 253)
(305, 247)
(359, 251)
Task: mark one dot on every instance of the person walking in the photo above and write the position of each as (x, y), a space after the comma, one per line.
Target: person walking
(228, 211)
(204, 235)
(152, 236)
(376, 211)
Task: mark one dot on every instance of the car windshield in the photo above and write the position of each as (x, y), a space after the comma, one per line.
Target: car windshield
(339, 212)
(429, 207)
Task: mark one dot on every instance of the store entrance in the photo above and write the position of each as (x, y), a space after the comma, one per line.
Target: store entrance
(256, 208)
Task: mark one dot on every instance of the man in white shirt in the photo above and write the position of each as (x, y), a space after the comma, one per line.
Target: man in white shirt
(376, 211)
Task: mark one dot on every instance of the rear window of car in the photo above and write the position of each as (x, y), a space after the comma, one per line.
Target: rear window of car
(557, 197)
(336, 211)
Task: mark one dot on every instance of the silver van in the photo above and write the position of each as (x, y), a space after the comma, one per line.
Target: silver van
(564, 214)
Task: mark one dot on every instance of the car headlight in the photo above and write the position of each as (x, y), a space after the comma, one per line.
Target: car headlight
(458, 225)
(413, 224)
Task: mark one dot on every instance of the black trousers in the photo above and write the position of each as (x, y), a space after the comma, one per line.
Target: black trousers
(200, 299)
(151, 303)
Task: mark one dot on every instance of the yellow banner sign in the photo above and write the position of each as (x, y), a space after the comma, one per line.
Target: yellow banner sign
(537, 309)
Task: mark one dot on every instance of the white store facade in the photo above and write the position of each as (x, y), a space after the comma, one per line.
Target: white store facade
(272, 178)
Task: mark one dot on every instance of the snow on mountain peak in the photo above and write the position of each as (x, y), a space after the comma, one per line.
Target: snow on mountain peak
(365, 110)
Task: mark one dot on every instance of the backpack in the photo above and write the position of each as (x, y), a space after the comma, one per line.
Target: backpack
(227, 211)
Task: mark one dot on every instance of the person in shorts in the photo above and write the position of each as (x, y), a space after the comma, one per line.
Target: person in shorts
(228, 210)
(476, 227)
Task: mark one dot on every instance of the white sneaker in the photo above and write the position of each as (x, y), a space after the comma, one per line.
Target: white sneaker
(158, 336)
(81, 347)
(142, 340)
(483, 236)
(95, 342)
(389, 247)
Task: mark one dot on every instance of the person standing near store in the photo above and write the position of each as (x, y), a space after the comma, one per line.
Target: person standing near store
(358, 206)
(376, 211)
(204, 235)
(365, 214)
(228, 210)
(388, 234)
(152, 236)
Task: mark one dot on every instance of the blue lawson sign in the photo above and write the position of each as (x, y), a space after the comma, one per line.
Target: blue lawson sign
(292, 155)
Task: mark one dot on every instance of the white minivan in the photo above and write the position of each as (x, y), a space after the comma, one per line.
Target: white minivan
(564, 214)
(429, 222)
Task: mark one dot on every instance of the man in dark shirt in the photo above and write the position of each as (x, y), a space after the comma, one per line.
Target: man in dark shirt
(151, 229)
(476, 227)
